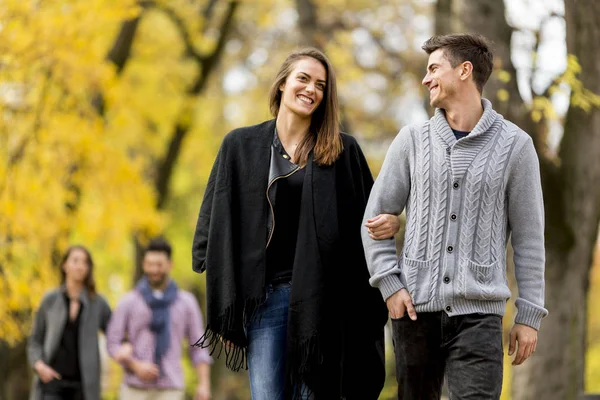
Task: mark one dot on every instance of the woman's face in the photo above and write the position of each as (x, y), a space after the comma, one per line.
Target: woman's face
(304, 88)
(77, 266)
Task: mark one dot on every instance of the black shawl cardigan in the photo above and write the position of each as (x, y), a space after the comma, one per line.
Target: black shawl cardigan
(336, 319)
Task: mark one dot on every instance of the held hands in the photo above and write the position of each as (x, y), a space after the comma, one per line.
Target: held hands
(145, 370)
(383, 226)
(526, 337)
(45, 372)
(400, 303)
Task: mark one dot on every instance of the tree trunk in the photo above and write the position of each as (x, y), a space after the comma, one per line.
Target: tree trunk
(558, 366)
(443, 17)
(15, 375)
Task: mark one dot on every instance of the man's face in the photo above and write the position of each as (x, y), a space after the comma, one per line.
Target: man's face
(157, 266)
(441, 79)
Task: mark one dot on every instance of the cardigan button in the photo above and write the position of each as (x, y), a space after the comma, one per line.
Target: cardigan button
(448, 308)
(448, 150)
(455, 185)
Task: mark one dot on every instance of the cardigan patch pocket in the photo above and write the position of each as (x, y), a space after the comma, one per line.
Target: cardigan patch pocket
(484, 281)
(417, 279)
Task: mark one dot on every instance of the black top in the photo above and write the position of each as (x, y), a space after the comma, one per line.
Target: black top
(459, 134)
(66, 360)
(282, 248)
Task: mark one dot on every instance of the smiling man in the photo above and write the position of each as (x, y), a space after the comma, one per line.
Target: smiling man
(468, 180)
(153, 320)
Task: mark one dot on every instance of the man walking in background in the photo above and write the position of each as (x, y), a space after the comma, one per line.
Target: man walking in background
(468, 180)
(153, 319)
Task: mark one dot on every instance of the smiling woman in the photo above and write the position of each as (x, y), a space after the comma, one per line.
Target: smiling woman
(304, 88)
(63, 346)
(278, 236)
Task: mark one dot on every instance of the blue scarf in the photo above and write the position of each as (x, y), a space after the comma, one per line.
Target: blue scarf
(160, 315)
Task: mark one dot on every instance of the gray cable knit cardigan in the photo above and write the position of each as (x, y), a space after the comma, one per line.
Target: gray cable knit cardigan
(463, 200)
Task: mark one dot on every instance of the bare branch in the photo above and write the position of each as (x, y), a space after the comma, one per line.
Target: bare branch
(121, 50)
(209, 62)
(206, 67)
(208, 11)
(181, 27)
(119, 54)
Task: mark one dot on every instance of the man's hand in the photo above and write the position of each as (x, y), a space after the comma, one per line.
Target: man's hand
(383, 226)
(45, 372)
(400, 303)
(124, 353)
(202, 391)
(146, 371)
(526, 337)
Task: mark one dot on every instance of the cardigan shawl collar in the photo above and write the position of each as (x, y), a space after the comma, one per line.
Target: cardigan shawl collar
(471, 145)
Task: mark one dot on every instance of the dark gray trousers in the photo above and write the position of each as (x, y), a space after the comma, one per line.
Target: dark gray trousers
(466, 348)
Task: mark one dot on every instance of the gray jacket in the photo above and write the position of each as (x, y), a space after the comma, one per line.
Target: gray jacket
(47, 332)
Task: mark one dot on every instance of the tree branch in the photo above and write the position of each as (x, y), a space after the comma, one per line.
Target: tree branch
(205, 68)
(183, 31)
(119, 54)
(121, 49)
(538, 40)
(208, 11)
(208, 63)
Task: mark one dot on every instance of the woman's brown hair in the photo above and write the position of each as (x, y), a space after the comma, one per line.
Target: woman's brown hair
(324, 133)
(89, 282)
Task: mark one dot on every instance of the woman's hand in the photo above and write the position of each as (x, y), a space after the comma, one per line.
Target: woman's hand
(383, 226)
(45, 372)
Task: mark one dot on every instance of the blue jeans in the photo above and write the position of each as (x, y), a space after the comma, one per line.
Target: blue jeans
(267, 344)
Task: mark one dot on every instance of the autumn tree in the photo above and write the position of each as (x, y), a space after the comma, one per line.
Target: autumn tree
(55, 178)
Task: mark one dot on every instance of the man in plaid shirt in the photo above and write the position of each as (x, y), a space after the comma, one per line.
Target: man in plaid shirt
(152, 320)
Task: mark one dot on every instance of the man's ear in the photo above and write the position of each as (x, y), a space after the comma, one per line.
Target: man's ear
(466, 70)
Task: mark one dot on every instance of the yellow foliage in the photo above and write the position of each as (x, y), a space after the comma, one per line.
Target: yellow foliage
(542, 107)
(580, 96)
(503, 95)
(63, 168)
(503, 76)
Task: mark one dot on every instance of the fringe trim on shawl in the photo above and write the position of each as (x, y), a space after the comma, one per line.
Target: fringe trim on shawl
(235, 356)
(216, 335)
(306, 356)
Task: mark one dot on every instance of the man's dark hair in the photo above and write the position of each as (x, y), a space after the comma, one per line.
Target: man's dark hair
(160, 245)
(462, 47)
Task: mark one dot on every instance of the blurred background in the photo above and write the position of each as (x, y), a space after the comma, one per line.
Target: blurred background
(111, 113)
